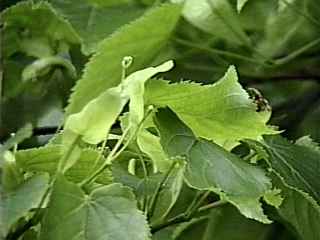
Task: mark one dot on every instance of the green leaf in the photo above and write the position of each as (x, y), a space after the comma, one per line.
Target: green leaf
(298, 165)
(216, 17)
(221, 112)
(104, 69)
(93, 122)
(44, 29)
(95, 20)
(301, 211)
(134, 87)
(28, 195)
(211, 167)
(11, 176)
(150, 145)
(46, 159)
(107, 213)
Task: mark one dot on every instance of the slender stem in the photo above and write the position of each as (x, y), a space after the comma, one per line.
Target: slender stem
(117, 150)
(219, 52)
(183, 217)
(304, 14)
(212, 205)
(67, 154)
(109, 159)
(297, 52)
(159, 188)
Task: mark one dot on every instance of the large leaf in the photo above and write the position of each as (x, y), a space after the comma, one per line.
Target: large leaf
(95, 20)
(107, 213)
(216, 17)
(302, 212)
(104, 69)
(296, 173)
(18, 202)
(211, 167)
(297, 164)
(46, 159)
(221, 112)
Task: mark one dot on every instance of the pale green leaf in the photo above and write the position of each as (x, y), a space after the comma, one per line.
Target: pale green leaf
(150, 145)
(93, 123)
(46, 159)
(18, 202)
(107, 213)
(240, 4)
(11, 176)
(104, 69)
(221, 112)
(210, 167)
(216, 17)
(96, 118)
(134, 86)
(94, 20)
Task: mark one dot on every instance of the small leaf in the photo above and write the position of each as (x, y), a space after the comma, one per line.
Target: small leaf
(104, 69)
(107, 213)
(28, 195)
(150, 145)
(16, 138)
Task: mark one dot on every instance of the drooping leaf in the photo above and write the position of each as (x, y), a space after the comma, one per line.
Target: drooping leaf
(211, 167)
(94, 121)
(46, 159)
(109, 212)
(95, 20)
(18, 202)
(216, 17)
(221, 112)
(150, 145)
(104, 69)
(134, 86)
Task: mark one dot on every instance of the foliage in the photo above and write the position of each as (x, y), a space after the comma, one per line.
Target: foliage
(114, 141)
